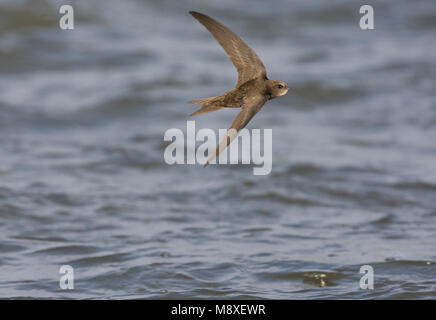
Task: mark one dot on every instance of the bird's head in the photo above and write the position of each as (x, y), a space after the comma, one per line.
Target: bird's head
(276, 88)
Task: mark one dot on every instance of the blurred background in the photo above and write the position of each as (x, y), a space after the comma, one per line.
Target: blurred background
(83, 181)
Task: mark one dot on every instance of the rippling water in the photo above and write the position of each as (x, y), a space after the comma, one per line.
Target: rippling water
(83, 181)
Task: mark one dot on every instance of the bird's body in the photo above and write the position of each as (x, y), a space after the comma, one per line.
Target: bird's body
(253, 88)
(233, 98)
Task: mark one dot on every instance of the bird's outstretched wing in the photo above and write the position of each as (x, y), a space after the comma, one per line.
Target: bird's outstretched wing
(245, 60)
(250, 107)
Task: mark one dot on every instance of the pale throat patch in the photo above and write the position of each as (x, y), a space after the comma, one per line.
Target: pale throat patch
(282, 93)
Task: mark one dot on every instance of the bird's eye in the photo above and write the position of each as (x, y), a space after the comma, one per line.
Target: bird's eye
(279, 86)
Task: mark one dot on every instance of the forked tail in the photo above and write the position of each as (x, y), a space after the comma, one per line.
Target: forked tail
(202, 101)
(207, 105)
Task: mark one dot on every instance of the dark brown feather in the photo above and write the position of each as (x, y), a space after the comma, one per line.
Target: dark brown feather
(245, 60)
(250, 107)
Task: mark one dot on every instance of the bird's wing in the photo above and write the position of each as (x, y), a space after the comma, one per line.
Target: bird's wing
(250, 107)
(244, 58)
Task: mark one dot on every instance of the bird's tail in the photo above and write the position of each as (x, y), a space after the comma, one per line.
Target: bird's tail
(203, 100)
(207, 105)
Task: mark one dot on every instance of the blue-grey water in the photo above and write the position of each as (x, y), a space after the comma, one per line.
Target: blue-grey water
(83, 181)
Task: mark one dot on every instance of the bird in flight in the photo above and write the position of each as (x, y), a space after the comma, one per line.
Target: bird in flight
(253, 88)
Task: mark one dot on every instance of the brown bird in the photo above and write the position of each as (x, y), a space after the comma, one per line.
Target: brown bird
(253, 88)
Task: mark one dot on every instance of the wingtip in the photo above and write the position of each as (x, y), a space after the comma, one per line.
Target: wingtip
(197, 14)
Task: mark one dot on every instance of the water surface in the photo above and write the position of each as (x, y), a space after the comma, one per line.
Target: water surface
(83, 181)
